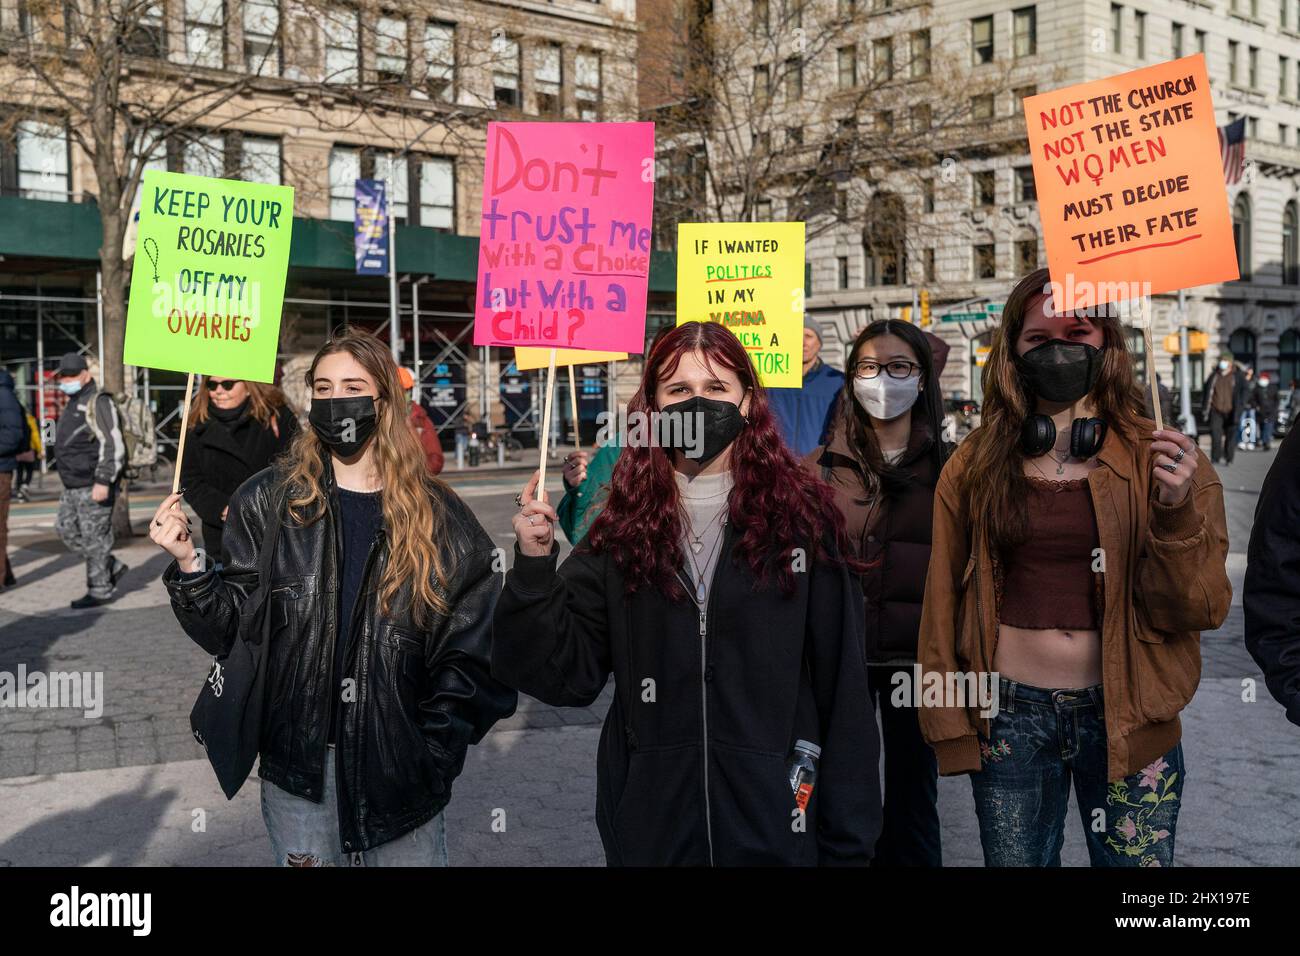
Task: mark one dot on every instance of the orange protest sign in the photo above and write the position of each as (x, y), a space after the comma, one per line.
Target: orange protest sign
(1130, 185)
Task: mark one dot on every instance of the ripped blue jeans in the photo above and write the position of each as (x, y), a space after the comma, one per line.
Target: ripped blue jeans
(306, 833)
(1041, 741)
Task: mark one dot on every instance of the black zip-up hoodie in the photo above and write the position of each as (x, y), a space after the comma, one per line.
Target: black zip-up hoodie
(693, 764)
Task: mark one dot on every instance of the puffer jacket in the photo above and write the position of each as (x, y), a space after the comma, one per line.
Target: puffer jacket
(422, 695)
(1165, 581)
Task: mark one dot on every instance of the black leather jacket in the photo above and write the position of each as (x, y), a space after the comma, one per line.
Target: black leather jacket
(421, 696)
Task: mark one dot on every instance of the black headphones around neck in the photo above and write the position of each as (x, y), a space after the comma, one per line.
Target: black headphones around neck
(1038, 436)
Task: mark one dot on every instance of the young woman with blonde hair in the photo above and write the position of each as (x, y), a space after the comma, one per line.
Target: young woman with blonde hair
(381, 588)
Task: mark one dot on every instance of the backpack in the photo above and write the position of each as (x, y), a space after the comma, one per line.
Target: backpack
(137, 422)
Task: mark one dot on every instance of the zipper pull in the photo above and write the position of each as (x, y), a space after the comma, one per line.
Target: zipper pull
(703, 620)
(631, 736)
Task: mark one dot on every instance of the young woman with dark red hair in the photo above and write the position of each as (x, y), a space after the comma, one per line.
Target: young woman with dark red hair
(712, 588)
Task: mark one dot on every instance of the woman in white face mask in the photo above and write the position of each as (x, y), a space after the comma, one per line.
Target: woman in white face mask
(883, 459)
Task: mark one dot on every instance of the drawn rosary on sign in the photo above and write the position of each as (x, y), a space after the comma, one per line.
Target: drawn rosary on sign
(153, 256)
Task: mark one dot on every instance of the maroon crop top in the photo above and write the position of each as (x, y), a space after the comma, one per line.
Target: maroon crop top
(1048, 581)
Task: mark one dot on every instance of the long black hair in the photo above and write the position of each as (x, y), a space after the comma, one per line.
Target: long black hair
(863, 444)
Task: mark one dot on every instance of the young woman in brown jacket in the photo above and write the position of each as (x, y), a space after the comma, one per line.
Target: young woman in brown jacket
(1078, 554)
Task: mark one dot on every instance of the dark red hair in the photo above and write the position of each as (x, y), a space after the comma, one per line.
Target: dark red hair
(776, 504)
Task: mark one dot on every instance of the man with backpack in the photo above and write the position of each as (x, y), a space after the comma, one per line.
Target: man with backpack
(91, 456)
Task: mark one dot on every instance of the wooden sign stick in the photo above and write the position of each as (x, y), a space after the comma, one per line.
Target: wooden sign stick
(185, 427)
(573, 403)
(1151, 362)
(546, 426)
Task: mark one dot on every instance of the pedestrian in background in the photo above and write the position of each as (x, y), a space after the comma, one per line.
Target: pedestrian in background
(1078, 553)
(1271, 591)
(236, 429)
(423, 425)
(27, 459)
(883, 459)
(90, 455)
(715, 588)
(1264, 400)
(381, 589)
(14, 440)
(803, 415)
(1222, 402)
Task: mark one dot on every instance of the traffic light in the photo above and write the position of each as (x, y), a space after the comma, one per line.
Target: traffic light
(925, 308)
(1197, 343)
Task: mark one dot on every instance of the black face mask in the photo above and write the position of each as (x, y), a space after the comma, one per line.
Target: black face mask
(722, 422)
(1060, 371)
(344, 424)
(228, 415)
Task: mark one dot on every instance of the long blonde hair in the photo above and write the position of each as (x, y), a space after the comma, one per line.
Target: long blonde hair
(412, 521)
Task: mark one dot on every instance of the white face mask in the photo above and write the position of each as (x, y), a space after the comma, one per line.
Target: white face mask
(884, 397)
(1224, 366)
(1264, 381)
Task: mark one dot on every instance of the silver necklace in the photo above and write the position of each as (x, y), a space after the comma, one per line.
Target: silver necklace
(702, 592)
(697, 540)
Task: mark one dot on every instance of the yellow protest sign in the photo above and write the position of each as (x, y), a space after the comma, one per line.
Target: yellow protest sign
(527, 358)
(747, 276)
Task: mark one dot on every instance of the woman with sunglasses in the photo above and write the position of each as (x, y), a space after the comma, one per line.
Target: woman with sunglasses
(711, 587)
(883, 459)
(236, 429)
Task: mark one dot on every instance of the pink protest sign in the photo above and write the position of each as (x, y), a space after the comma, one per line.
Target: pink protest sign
(564, 245)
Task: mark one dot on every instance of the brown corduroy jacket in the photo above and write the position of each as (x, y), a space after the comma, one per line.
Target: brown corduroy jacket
(1165, 581)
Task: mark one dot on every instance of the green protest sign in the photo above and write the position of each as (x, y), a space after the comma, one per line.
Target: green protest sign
(208, 282)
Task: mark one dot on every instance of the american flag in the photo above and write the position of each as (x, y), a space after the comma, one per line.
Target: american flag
(1232, 146)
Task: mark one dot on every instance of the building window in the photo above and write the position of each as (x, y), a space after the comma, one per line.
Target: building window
(1234, 61)
(549, 78)
(762, 86)
(882, 56)
(922, 117)
(846, 9)
(342, 54)
(149, 36)
(1024, 92)
(981, 40)
(1282, 133)
(392, 171)
(390, 49)
(204, 154)
(760, 17)
(1140, 33)
(981, 106)
(261, 47)
(205, 41)
(1024, 30)
(763, 210)
(1252, 67)
(345, 170)
(505, 70)
(794, 136)
(984, 261)
(928, 264)
(1200, 41)
(846, 58)
(883, 249)
(1290, 245)
(259, 159)
(1116, 28)
(763, 143)
(437, 193)
(1176, 40)
(884, 122)
(1026, 191)
(985, 188)
(1243, 346)
(842, 280)
(1288, 358)
(927, 195)
(42, 161)
(920, 53)
(1241, 234)
(793, 80)
(440, 60)
(1283, 73)
(587, 82)
(1252, 127)
(1026, 256)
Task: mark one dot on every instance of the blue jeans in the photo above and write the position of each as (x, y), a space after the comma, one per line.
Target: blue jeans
(305, 833)
(1041, 741)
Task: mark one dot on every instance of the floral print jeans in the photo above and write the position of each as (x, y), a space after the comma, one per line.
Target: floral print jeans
(1041, 740)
